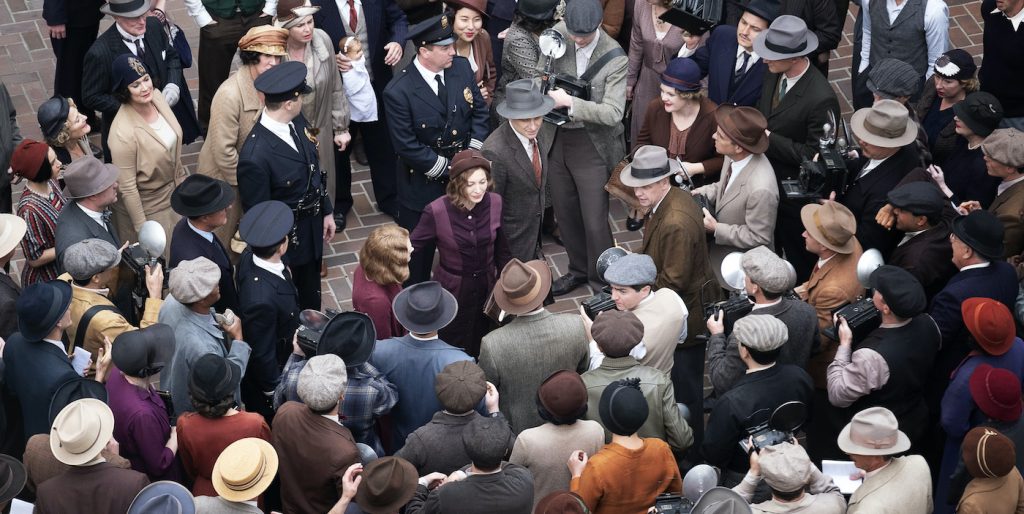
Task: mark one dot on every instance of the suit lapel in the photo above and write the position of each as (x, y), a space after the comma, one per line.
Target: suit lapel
(280, 147)
(519, 154)
(739, 183)
(794, 93)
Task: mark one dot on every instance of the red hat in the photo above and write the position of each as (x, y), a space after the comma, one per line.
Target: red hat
(28, 158)
(991, 324)
(996, 391)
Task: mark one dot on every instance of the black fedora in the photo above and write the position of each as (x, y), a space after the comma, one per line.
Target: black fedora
(40, 307)
(74, 390)
(982, 231)
(144, 352)
(349, 335)
(767, 10)
(425, 307)
(12, 478)
(199, 194)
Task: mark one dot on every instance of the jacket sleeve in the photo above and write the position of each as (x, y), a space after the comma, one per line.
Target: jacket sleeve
(724, 364)
(396, 21)
(957, 407)
(415, 154)
(287, 385)
(610, 109)
(678, 433)
(55, 12)
(481, 115)
(145, 428)
(792, 153)
(424, 502)
(175, 74)
(11, 114)
(614, 12)
(96, 79)
(635, 51)
(339, 102)
(588, 486)
(222, 137)
(643, 137)
(487, 363)
(946, 313)
(239, 354)
(828, 29)
(851, 377)
(124, 153)
(759, 221)
(499, 168)
(721, 435)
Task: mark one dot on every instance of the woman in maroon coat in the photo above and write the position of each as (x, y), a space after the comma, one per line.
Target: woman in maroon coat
(465, 224)
(383, 266)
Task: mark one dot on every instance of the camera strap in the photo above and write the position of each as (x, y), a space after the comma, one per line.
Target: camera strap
(597, 65)
(83, 324)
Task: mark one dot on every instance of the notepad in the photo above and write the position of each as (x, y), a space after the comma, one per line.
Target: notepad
(840, 471)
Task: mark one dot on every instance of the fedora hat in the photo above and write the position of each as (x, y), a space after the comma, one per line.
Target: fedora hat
(787, 37)
(200, 194)
(244, 469)
(81, 431)
(388, 483)
(12, 478)
(349, 335)
(745, 126)
(873, 431)
(650, 164)
(425, 307)
(480, 6)
(832, 225)
(126, 8)
(522, 286)
(886, 124)
(41, 306)
(88, 176)
(12, 230)
(290, 12)
(163, 497)
(524, 100)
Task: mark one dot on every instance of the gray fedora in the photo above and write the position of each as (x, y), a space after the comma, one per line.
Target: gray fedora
(126, 8)
(88, 176)
(425, 307)
(650, 164)
(787, 37)
(524, 100)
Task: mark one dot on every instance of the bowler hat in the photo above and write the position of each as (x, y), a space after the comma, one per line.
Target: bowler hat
(126, 8)
(52, 115)
(213, 378)
(886, 124)
(540, 10)
(561, 502)
(745, 126)
(955, 64)
(88, 176)
(982, 232)
(524, 100)
(28, 158)
(349, 335)
(200, 194)
(996, 392)
(12, 230)
(266, 224)
(921, 198)
(244, 469)
(831, 224)
(460, 386)
(682, 74)
(891, 78)
(583, 17)
(480, 6)
(980, 111)
(486, 441)
(767, 10)
(468, 160)
(387, 484)
(787, 37)
(81, 431)
(873, 431)
(650, 164)
(12, 478)
(523, 286)
(622, 408)
(143, 352)
(163, 497)
(990, 324)
(74, 390)
(563, 394)
(424, 307)
(41, 306)
(988, 453)
(900, 290)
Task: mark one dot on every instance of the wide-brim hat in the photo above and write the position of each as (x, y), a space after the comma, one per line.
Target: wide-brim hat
(650, 164)
(873, 431)
(832, 225)
(387, 484)
(200, 194)
(12, 230)
(143, 352)
(87, 176)
(349, 335)
(996, 391)
(244, 469)
(990, 324)
(425, 307)
(981, 231)
(886, 124)
(479, 6)
(745, 126)
(12, 478)
(41, 306)
(524, 100)
(126, 8)
(163, 497)
(72, 391)
(81, 431)
(787, 37)
(523, 286)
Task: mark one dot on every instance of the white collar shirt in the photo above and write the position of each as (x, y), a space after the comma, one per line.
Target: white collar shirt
(1003, 186)
(281, 130)
(1015, 20)
(276, 268)
(208, 236)
(737, 168)
(428, 76)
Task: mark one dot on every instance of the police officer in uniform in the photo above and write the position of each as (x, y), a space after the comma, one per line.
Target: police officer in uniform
(269, 304)
(434, 110)
(279, 162)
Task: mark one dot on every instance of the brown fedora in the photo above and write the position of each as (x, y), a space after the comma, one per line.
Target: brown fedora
(522, 286)
(832, 225)
(745, 126)
(388, 483)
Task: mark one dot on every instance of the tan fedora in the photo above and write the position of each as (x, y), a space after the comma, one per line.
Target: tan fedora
(81, 431)
(650, 164)
(873, 431)
(886, 124)
(244, 469)
(522, 286)
(745, 126)
(832, 225)
(12, 230)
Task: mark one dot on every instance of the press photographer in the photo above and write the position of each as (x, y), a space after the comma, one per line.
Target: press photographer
(794, 481)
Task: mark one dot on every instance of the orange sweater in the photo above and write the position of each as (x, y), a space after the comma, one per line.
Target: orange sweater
(618, 480)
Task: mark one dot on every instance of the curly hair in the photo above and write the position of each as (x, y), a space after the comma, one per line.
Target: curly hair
(64, 135)
(385, 255)
(248, 57)
(212, 410)
(456, 187)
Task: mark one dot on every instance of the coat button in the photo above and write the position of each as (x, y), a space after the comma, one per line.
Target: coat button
(256, 279)
(423, 125)
(455, 132)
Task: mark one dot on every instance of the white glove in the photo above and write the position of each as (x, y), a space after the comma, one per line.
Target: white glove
(171, 94)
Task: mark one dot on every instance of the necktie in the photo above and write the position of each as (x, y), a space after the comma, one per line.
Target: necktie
(783, 86)
(105, 216)
(295, 138)
(138, 46)
(536, 161)
(353, 20)
(742, 67)
(442, 93)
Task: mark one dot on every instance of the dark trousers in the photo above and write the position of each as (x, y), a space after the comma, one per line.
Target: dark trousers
(307, 282)
(69, 54)
(383, 164)
(422, 261)
(6, 202)
(218, 44)
(688, 385)
(578, 176)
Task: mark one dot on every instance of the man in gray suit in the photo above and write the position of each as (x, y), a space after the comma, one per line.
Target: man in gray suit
(518, 151)
(92, 187)
(509, 355)
(589, 144)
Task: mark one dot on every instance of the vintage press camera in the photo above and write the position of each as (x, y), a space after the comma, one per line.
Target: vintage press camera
(311, 329)
(684, 181)
(861, 315)
(602, 301)
(552, 46)
(694, 16)
(780, 427)
(148, 251)
(820, 178)
(668, 503)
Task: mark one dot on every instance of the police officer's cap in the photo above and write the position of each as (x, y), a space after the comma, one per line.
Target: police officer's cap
(266, 224)
(283, 82)
(436, 30)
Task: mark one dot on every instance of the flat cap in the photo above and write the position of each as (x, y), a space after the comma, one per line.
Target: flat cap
(761, 332)
(486, 440)
(891, 78)
(89, 257)
(286, 81)
(460, 386)
(266, 224)
(980, 111)
(322, 381)
(767, 270)
(1005, 146)
(633, 269)
(919, 198)
(617, 332)
(583, 17)
(785, 467)
(193, 280)
(900, 290)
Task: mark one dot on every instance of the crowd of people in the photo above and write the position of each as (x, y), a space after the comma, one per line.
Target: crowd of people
(806, 294)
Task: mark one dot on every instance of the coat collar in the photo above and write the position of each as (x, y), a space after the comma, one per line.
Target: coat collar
(793, 95)
(1011, 192)
(134, 119)
(838, 261)
(519, 154)
(878, 481)
(247, 91)
(738, 189)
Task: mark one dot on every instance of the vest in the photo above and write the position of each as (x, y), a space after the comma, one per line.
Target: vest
(904, 39)
(228, 8)
(663, 320)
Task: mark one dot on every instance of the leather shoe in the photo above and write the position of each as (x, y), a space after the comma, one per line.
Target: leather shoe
(339, 223)
(566, 283)
(634, 224)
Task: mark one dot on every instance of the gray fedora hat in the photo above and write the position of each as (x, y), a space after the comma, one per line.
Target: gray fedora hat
(126, 8)
(524, 100)
(88, 176)
(650, 164)
(787, 37)
(425, 307)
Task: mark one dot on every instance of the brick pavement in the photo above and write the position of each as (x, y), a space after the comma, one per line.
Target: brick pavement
(26, 66)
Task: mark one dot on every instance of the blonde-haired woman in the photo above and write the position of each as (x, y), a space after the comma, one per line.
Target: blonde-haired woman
(953, 80)
(383, 266)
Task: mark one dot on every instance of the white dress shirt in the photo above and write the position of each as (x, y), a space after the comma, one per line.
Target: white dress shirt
(276, 268)
(583, 54)
(96, 216)
(428, 76)
(737, 168)
(129, 40)
(1014, 20)
(206, 235)
(199, 13)
(1007, 184)
(281, 130)
(936, 30)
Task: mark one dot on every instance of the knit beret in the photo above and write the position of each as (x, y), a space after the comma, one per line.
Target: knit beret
(486, 441)
(617, 332)
(767, 270)
(632, 269)
(583, 17)
(785, 467)
(460, 386)
(623, 409)
(193, 280)
(761, 332)
(1005, 146)
(987, 453)
(322, 381)
(89, 257)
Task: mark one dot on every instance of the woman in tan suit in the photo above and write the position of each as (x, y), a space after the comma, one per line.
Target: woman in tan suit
(474, 43)
(145, 144)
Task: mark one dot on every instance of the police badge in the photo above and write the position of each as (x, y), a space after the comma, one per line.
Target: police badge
(311, 134)
(444, 21)
(468, 95)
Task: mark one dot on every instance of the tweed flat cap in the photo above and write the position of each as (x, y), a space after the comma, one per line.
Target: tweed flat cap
(460, 386)
(891, 78)
(583, 17)
(785, 467)
(617, 332)
(633, 269)
(761, 332)
(486, 440)
(193, 280)
(767, 270)
(89, 257)
(1005, 146)
(322, 381)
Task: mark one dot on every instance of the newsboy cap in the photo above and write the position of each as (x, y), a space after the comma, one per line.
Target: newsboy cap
(891, 78)
(1005, 146)
(767, 270)
(785, 467)
(761, 332)
(583, 17)
(460, 386)
(322, 381)
(486, 440)
(89, 257)
(632, 269)
(900, 290)
(193, 280)
(617, 332)
(918, 198)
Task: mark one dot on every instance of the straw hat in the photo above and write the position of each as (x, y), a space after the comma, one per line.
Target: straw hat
(244, 469)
